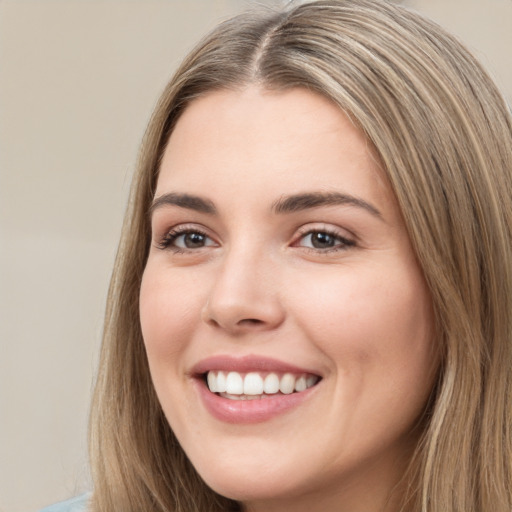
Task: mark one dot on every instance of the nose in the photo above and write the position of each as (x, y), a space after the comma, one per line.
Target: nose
(245, 295)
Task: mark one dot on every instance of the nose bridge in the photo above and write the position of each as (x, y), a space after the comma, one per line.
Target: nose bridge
(244, 293)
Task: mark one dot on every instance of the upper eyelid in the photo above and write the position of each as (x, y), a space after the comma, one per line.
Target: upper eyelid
(312, 227)
(176, 232)
(182, 227)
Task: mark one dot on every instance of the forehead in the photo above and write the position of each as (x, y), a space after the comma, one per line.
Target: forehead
(288, 140)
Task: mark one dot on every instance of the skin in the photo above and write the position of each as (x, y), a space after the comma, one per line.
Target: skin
(357, 313)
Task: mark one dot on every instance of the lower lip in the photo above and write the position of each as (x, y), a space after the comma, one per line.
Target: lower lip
(249, 411)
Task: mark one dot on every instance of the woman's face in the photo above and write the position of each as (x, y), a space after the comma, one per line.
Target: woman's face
(280, 262)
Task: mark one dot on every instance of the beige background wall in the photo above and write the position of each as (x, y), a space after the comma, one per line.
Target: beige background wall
(78, 80)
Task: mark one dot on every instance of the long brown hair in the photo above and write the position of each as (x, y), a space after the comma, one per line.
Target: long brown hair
(444, 136)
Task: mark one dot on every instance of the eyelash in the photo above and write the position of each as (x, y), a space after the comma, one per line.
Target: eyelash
(343, 242)
(171, 236)
(169, 239)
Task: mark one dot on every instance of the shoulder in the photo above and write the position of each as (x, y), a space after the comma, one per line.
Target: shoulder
(78, 504)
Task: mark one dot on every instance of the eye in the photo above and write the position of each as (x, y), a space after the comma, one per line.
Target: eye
(323, 240)
(181, 240)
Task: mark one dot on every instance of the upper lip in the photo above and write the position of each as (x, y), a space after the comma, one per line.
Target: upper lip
(246, 364)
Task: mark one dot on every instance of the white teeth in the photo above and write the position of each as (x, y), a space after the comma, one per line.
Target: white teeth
(234, 384)
(271, 384)
(253, 385)
(310, 381)
(300, 384)
(287, 384)
(221, 382)
(212, 382)
(241, 397)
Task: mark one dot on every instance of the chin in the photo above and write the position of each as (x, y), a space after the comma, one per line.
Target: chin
(245, 483)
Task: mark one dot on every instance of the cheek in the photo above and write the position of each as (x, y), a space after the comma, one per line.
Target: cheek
(375, 326)
(366, 302)
(169, 310)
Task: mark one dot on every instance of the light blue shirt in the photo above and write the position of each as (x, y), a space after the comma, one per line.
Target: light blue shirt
(78, 504)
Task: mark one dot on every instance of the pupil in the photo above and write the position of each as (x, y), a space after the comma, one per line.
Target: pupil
(194, 240)
(322, 240)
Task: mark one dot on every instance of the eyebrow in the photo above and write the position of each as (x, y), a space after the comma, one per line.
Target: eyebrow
(299, 202)
(285, 204)
(188, 201)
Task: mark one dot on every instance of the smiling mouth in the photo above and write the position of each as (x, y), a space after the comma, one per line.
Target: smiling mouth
(257, 385)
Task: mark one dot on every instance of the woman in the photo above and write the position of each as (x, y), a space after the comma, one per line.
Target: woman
(311, 307)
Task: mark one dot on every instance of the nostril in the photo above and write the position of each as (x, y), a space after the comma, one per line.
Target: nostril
(250, 321)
